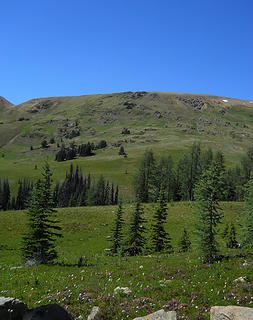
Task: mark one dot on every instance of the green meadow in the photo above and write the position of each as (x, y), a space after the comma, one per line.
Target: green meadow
(177, 281)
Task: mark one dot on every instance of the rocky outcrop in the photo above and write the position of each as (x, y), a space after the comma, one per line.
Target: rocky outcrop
(94, 314)
(159, 315)
(47, 312)
(12, 309)
(231, 313)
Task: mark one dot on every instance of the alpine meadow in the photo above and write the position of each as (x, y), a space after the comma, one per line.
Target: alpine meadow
(132, 202)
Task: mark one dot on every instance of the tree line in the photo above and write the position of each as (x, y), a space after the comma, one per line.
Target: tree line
(208, 216)
(179, 179)
(75, 190)
(43, 229)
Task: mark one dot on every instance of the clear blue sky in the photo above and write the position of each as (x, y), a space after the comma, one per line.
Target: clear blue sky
(75, 47)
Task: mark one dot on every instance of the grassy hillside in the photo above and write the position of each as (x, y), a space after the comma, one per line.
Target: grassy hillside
(176, 281)
(165, 122)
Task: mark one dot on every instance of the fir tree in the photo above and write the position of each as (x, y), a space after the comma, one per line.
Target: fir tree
(247, 230)
(39, 242)
(112, 194)
(117, 234)
(116, 196)
(144, 179)
(5, 195)
(121, 151)
(136, 240)
(231, 241)
(208, 214)
(160, 238)
(184, 243)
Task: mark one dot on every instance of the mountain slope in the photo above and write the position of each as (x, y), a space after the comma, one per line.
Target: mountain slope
(165, 122)
(99, 116)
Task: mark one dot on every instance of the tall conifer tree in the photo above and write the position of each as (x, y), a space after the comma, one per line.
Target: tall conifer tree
(247, 230)
(160, 238)
(117, 234)
(208, 214)
(39, 242)
(136, 241)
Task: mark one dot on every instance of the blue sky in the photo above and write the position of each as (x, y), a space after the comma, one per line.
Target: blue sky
(59, 47)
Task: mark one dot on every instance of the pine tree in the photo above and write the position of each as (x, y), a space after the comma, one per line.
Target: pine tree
(247, 230)
(39, 242)
(165, 177)
(136, 240)
(122, 151)
(184, 243)
(5, 195)
(207, 192)
(231, 241)
(160, 238)
(112, 194)
(116, 196)
(117, 234)
(144, 179)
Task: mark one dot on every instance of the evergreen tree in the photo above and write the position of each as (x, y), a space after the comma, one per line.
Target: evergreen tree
(247, 164)
(231, 241)
(116, 195)
(247, 230)
(207, 193)
(39, 242)
(144, 179)
(206, 158)
(184, 243)
(121, 151)
(44, 144)
(165, 177)
(5, 195)
(112, 194)
(160, 238)
(117, 234)
(136, 240)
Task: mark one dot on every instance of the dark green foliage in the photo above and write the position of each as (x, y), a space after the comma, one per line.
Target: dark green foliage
(247, 164)
(179, 180)
(188, 171)
(5, 195)
(44, 144)
(160, 238)
(71, 152)
(136, 241)
(207, 193)
(165, 177)
(144, 179)
(24, 193)
(85, 150)
(247, 230)
(184, 243)
(39, 242)
(116, 196)
(117, 234)
(102, 144)
(52, 140)
(77, 190)
(230, 237)
(121, 151)
(125, 131)
(97, 195)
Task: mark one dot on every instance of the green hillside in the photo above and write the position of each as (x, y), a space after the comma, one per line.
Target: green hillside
(165, 122)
